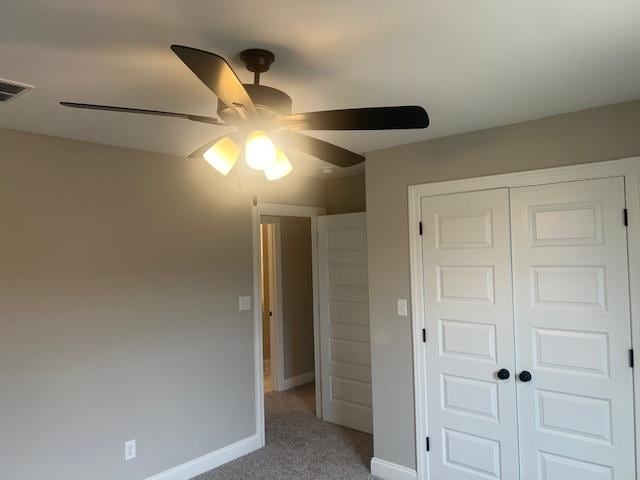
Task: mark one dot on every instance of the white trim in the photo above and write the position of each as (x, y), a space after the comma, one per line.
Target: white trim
(293, 382)
(391, 471)
(316, 315)
(276, 209)
(210, 461)
(628, 168)
(258, 363)
(417, 324)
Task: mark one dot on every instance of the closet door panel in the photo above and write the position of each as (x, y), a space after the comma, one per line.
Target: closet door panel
(471, 414)
(572, 327)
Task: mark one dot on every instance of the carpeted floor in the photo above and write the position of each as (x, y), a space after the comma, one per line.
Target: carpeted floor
(299, 446)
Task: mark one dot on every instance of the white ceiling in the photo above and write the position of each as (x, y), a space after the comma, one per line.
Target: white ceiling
(472, 64)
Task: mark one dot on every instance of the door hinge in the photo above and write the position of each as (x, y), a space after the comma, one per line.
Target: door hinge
(424, 334)
(428, 446)
(271, 314)
(625, 217)
(420, 227)
(631, 357)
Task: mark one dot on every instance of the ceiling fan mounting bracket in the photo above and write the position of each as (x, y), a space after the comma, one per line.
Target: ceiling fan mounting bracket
(257, 60)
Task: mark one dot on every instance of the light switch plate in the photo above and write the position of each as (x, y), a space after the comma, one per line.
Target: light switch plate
(244, 303)
(130, 450)
(402, 307)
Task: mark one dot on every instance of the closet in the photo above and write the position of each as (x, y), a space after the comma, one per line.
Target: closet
(527, 322)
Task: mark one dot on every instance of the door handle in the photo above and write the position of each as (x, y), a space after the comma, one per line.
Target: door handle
(525, 376)
(503, 374)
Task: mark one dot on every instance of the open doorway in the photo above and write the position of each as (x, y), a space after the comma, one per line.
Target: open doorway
(287, 303)
(327, 341)
(334, 344)
(286, 351)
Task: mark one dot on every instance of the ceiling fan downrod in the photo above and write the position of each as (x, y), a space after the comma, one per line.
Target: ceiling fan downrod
(258, 61)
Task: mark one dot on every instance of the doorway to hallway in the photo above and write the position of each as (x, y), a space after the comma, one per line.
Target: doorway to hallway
(287, 302)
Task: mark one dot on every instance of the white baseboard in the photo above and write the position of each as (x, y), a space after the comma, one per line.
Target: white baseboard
(210, 461)
(299, 380)
(391, 471)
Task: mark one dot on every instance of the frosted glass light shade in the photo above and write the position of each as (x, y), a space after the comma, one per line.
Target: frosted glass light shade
(259, 150)
(223, 155)
(280, 168)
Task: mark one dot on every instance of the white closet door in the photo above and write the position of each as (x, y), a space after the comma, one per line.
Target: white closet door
(471, 414)
(573, 331)
(344, 321)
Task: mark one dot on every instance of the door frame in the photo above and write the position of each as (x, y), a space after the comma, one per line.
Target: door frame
(629, 168)
(281, 210)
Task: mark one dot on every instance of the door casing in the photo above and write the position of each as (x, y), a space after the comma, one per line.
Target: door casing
(629, 168)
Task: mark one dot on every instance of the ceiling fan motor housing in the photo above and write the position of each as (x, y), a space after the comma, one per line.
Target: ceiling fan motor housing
(270, 102)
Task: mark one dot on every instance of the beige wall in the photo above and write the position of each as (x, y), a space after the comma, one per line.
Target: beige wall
(297, 296)
(588, 136)
(120, 273)
(346, 194)
(265, 238)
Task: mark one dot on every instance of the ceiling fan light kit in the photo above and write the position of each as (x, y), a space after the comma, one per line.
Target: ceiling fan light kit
(222, 155)
(280, 168)
(258, 111)
(259, 150)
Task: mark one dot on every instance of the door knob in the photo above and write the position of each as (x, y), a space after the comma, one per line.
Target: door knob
(503, 374)
(525, 376)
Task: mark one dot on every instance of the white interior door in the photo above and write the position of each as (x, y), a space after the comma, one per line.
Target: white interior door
(344, 321)
(573, 331)
(471, 413)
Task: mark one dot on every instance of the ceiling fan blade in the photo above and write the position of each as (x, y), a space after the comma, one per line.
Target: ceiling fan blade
(375, 118)
(108, 108)
(217, 75)
(320, 149)
(200, 152)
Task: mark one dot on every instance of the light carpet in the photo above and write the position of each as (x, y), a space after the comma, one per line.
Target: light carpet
(299, 446)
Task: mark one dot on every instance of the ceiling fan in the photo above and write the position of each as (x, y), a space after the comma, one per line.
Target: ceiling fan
(257, 113)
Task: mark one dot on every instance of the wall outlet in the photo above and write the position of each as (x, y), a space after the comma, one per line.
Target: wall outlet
(402, 307)
(130, 450)
(244, 303)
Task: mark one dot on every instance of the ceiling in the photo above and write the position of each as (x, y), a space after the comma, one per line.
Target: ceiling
(471, 64)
